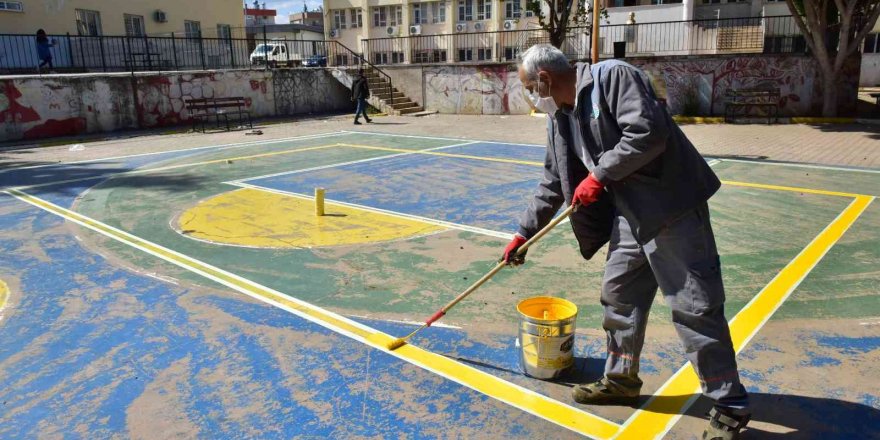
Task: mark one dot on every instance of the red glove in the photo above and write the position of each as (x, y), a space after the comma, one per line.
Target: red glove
(588, 191)
(510, 256)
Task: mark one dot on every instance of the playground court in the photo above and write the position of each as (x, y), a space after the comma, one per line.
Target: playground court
(193, 293)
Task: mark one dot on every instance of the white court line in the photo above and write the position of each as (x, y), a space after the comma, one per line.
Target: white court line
(804, 165)
(442, 223)
(442, 138)
(206, 147)
(334, 165)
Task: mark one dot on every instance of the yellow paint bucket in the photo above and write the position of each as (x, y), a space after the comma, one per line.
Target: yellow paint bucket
(546, 336)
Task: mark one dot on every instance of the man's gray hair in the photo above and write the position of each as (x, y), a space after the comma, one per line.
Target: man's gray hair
(543, 57)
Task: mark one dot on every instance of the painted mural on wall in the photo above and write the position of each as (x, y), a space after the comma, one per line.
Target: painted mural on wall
(298, 92)
(474, 90)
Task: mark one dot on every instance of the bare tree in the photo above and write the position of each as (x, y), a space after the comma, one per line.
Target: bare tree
(818, 20)
(560, 15)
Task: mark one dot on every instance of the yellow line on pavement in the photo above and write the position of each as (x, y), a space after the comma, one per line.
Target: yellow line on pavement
(664, 409)
(524, 399)
(791, 189)
(4, 294)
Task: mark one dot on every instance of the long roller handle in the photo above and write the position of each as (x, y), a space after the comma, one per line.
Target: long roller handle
(553, 223)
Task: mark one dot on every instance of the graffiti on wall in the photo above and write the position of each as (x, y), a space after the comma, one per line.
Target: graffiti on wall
(36, 108)
(474, 90)
(296, 92)
(162, 98)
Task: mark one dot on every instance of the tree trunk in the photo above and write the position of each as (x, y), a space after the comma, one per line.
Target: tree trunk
(557, 38)
(829, 92)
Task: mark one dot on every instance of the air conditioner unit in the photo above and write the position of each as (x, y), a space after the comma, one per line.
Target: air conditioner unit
(160, 16)
(530, 14)
(478, 27)
(415, 29)
(509, 25)
(334, 33)
(392, 31)
(461, 27)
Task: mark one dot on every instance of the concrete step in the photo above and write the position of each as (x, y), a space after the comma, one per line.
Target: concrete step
(403, 105)
(409, 111)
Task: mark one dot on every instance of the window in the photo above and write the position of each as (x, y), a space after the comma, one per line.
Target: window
(397, 18)
(512, 9)
(465, 55)
(380, 16)
(339, 19)
(438, 12)
(380, 58)
(484, 54)
(224, 31)
(785, 44)
(871, 44)
(511, 53)
(11, 6)
(192, 29)
(484, 9)
(465, 10)
(357, 18)
(708, 2)
(88, 23)
(420, 13)
(134, 25)
(396, 57)
(341, 59)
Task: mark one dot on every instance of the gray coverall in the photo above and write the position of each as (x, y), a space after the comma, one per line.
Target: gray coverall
(654, 216)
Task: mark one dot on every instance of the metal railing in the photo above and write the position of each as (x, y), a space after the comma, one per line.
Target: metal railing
(74, 53)
(777, 34)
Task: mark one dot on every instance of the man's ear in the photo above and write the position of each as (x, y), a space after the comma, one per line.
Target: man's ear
(544, 76)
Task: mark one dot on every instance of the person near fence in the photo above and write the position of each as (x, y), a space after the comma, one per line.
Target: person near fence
(360, 91)
(639, 185)
(44, 52)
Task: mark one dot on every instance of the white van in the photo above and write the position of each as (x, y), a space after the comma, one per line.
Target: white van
(275, 53)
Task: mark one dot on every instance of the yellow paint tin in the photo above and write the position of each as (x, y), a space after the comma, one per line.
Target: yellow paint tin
(546, 336)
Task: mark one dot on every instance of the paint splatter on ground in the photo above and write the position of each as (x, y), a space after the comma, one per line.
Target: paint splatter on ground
(104, 339)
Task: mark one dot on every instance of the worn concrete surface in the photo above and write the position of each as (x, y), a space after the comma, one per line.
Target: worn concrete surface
(118, 349)
(832, 144)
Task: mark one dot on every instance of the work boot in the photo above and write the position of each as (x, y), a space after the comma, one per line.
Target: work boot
(368, 119)
(356, 122)
(724, 425)
(603, 392)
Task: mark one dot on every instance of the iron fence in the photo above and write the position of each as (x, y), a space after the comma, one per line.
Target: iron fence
(74, 53)
(777, 34)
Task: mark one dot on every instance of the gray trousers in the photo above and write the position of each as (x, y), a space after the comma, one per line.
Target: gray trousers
(683, 261)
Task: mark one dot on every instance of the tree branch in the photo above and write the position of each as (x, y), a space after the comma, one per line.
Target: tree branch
(866, 29)
(799, 21)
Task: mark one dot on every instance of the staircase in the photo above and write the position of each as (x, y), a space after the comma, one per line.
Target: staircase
(389, 99)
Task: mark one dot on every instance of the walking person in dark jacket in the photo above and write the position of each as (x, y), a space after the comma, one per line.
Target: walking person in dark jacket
(640, 186)
(360, 91)
(43, 52)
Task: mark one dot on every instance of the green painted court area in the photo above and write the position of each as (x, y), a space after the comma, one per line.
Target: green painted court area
(229, 236)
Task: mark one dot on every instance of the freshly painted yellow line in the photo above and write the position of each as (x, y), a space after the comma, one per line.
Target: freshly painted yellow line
(792, 189)
(260, 219)
(665, 407)
(436, 153)
(542, 406)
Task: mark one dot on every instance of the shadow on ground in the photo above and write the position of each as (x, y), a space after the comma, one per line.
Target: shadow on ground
(799, 417)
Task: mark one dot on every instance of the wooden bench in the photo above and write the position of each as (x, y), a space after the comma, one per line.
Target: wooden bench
(202, 110)
(876, 97)
(744, 99)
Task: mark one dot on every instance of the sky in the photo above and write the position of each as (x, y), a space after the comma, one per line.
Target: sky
(287, 7)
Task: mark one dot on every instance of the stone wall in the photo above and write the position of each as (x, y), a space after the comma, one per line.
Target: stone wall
(40, 107)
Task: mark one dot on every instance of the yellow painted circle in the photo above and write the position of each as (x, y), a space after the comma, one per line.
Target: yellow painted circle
(262, 219)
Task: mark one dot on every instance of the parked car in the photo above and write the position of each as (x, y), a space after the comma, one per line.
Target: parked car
(275, 53)
(315, 61)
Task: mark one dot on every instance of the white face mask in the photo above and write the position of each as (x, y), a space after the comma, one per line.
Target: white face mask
(546, 105)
